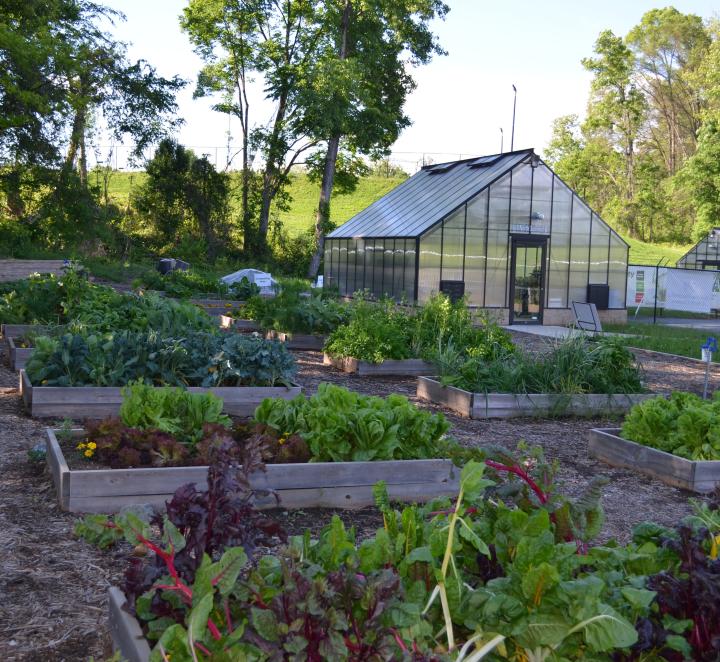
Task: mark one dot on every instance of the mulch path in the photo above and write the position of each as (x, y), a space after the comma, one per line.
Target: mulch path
(53, 587)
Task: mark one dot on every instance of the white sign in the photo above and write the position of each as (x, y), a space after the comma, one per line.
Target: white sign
(263, 281)
(527, 228)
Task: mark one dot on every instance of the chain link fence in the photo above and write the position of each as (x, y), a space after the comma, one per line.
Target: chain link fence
(668, 295)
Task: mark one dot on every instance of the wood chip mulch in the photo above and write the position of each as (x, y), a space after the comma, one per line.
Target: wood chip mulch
(53, 587)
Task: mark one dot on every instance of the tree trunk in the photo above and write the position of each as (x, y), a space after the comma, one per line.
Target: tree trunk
(322, 216)
(77, 145)
(10, 183)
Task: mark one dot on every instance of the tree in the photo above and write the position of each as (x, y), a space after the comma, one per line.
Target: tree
(617, 111)
(184, 193)
(701, 176)
(58, 69)
(669, 46)
(277, 42)
(360, 83)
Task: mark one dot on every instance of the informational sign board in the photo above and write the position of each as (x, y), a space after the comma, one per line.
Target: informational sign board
(586, 316)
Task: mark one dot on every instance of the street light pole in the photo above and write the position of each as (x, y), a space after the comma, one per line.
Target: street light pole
(512, 135)
(502, 138)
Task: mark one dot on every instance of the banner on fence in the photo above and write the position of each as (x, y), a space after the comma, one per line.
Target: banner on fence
(683, 290)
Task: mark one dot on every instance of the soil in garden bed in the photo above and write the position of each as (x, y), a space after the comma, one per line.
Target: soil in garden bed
(53, 588)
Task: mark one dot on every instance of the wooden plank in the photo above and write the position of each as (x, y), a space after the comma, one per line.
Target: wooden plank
(227, 322)
(125, 631)
(16, 330)
(17, 356)
(607, 446)
(165, 480)
(11, 270)
(320, 484)
(507, 405)
(389, 367)
(101, 401)
(299, 341)
(431, 390)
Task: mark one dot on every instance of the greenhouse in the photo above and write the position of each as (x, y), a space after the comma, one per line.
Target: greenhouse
(703, 255)
(503, 230)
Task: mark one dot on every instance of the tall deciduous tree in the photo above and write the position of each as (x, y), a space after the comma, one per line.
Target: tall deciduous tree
(360, 83)
(617, 110)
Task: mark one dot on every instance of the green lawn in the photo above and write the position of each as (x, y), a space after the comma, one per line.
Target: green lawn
(670, 339)
(642, 253)
(301, 214)
(304, 193)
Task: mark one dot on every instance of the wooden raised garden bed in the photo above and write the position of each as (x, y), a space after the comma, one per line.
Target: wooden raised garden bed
(300, 341)
(126, 633)
(17, 356)
(507, 405)
(15, 330)
(101, 401)
(695, 475)
(311, 485)
(389, 367)
(227, 322)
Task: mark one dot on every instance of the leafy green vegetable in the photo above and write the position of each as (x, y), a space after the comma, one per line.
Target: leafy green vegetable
(194, 359)
(682, 424)
(172, 410)
(341, 425)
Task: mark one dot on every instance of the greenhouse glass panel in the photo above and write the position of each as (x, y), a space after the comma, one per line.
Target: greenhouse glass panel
(579, 250)
(497, 263)
(429, 269)
(599, 250)
(520, 203)
(399, 269)
(369, 264)
(334, 261)
(475, 250)
(352, 256)
(342, 267)
(541, 209)
(389, 277)
(500, 204)
(327, 267)
(410, 270)
(378, 272)
(557, 278)
(360, 265)
(452, 247)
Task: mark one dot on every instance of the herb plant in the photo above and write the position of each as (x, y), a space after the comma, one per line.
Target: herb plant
(571, 366)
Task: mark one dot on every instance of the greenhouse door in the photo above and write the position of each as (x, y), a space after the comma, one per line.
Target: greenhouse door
(527, 285)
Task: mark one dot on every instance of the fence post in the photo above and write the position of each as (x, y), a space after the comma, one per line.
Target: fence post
(657, 274)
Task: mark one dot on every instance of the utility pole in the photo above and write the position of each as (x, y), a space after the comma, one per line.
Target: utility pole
(512, 136)
(502, 137)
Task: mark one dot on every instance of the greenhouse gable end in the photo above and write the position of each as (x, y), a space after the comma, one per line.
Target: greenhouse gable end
(504, 230)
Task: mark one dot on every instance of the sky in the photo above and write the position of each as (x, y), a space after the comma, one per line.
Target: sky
(462, 99)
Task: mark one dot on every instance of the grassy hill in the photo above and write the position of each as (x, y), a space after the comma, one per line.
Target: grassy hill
(301, 214)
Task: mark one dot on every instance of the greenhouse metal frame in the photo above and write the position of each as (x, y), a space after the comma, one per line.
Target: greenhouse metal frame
(503, 230)
(703, 255)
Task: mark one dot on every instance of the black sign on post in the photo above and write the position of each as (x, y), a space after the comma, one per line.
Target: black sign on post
(455, 289)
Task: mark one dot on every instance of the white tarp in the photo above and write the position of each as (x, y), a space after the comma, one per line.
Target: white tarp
(262, 279)
(677, 289)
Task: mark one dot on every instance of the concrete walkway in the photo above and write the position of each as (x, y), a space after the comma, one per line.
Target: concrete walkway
(545, 331)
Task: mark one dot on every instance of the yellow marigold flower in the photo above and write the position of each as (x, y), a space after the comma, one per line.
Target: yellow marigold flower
(228, 305)
(88, 453)
(92, 445)
(80, 446)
